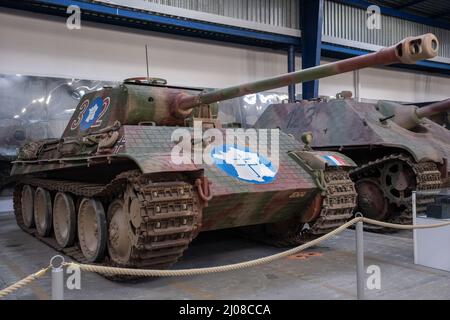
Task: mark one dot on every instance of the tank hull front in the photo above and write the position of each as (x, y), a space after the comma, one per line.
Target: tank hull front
(234, 202)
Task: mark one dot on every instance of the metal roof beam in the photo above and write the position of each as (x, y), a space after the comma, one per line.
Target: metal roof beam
(197, 29)
(102, 13)
(440, 14)
(408, 4)
(398, 13)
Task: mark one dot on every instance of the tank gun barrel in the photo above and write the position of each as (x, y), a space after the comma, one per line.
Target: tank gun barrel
(410, 116)
(407, 51)
(434, 108)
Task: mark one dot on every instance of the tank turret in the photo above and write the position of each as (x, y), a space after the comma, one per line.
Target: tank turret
(409, 117)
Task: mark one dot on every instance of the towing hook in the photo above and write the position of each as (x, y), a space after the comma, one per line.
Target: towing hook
(204, 191)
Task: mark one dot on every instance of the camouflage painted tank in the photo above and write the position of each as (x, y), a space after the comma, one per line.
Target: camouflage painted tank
(121, 188)
(397, 148)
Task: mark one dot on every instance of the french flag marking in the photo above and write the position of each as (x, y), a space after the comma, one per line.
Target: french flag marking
(334, 160)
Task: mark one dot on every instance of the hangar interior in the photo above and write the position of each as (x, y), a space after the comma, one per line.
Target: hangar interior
(47, 67)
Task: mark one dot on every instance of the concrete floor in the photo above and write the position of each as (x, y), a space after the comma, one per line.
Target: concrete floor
(329, 274)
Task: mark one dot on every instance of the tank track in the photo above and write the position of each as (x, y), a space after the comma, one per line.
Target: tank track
(163, 234)
(428, 178)
(339, 201)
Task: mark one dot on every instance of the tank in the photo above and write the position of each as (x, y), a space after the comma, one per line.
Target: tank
(122, 188)
(397, 148)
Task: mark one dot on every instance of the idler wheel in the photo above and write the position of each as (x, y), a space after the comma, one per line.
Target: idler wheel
(119, 233)
(92, 229)
(27, 203)
(43, 212)
(371, 200)
(64, 219)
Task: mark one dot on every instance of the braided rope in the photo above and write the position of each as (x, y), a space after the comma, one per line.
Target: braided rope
(405, 226)
(246, 264)
(24, 282)
(225, 268)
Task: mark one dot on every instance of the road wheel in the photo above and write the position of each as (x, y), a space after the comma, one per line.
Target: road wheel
(92, 229)
(27, 203)
(64, 219)
(43, 212)
(119, 233)
(371, 200)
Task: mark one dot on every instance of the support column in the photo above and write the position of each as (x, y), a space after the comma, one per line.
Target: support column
(291, 68)
(311, 26)
(356, 86)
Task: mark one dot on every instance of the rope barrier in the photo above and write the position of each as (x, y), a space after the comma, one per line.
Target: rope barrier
(225, 268)
(246, 264)
(404, 226)
(24, 282)
(208, 270)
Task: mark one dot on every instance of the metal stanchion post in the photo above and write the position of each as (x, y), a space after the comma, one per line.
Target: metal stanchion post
(360, 274)
(414, 217)
(57, 278)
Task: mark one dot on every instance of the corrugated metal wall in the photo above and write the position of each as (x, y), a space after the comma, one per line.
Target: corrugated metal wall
(281, 13)
(346, 22)
(340, 20)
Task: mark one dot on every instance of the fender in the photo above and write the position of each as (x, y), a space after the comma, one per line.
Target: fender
(316, 162)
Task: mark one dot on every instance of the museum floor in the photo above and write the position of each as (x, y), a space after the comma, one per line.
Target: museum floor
(327, 272)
